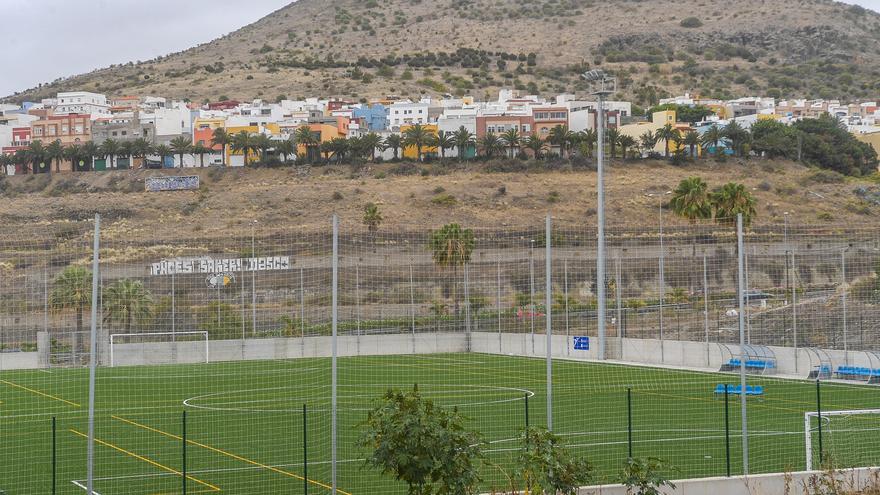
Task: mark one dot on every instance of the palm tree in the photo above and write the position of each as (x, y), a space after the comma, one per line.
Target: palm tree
(22, 158)
(587, 139)
(36, 155)
(339, 146)
(140, 148)
(394, 142)
(326, 149)
(125, 150)
(451, 246)
(713, 137)
(285, 148)
(162, 151)
(109, 150)
(666, 133)
(370, 142)
(731, 199)
(72, 289)
(444, 141)
(490, 144)
(263, 144)
(536, 145)
(243, 143)
(90, 151)
(647, 141)
(126, 301)
(612, 137)
(737, 135)
(626, 142)
(200, 150)
(692, 140)
(221, 138)
(372, 217)
(560, 136)
(464, 139)
(511, 139)
(55, 153)
(691, 200)
(306, 138)
(416, 135)
(181, 146)
(72, 154)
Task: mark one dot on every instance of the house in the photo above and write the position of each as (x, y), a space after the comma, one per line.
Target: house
(20, 139)
(407, 113)
(375, 116)
(658, 121)
(82, 102)
(411, 152)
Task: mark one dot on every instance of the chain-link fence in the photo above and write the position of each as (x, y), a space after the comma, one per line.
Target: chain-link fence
(247, 363)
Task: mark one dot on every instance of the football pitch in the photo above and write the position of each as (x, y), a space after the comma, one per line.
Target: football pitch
(244, 431)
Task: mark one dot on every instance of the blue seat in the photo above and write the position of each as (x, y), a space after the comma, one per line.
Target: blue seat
(737, 389)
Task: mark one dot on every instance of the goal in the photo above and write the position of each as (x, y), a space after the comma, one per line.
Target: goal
(131, 349)
(847, 437)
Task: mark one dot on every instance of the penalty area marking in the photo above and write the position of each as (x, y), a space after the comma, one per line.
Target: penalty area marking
(521, 393)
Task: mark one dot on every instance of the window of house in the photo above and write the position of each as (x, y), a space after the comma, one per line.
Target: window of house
(113, 133)
(124, 133)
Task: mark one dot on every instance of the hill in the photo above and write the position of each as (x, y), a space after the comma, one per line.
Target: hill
(366, 48)
(423, 196)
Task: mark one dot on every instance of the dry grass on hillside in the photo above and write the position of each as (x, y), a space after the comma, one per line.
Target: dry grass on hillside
(229, 200)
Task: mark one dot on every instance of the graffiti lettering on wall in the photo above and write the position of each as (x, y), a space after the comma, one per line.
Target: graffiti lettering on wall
(176, 183)
(219, 266)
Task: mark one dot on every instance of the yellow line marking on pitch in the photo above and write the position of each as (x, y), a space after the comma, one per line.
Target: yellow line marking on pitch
(74, 404)
(148, 461)
(229, 454)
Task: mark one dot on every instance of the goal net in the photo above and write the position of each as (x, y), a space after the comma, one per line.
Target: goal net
(842, 439)
(133, 349)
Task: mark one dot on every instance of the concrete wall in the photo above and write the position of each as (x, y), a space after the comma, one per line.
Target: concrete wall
(19, 360)
(762, 484)
(286, 348)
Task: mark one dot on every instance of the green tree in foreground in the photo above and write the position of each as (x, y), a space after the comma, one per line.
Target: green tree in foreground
(642, 476)
(691, 200)
(424, 445)
(732, 199)
(372, 217)
(546, 466)
(127, 301)
(72, 289)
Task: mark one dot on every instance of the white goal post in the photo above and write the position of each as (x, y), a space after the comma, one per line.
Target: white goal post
(808, 426)
(157, 337)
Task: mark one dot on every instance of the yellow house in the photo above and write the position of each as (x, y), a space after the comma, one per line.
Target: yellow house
(235, 158)
(658, 121)
(410, 151)
(872, 138)
(323, 132)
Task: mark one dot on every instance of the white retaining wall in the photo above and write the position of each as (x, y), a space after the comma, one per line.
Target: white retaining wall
(20, 360)
(760, 484)
(152, 353)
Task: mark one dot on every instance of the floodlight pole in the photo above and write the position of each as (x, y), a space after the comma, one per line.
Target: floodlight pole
(549, 329)
(600, 187)
(843, 303)
(741, 294)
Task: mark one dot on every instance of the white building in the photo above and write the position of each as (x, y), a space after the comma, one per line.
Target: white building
(407, 113)
(82, 102)
(172, 121)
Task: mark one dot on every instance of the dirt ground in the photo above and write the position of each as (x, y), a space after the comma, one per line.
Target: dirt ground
(429, 195)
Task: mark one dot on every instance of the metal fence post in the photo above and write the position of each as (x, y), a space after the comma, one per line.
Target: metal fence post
(498, 303)
(843, 303)
(742, 345)
(548, 302)
(565, 294)
(183, 450)
(727, 428)
(412, 307)
(54, 456)
(706, 308)
(333, 370)
(819, 418)
(93, 350)
(305, 454)
(532, 295)
(629, 422)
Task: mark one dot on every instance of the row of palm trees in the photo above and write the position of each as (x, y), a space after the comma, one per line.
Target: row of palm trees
(38, 157)
(693, 200)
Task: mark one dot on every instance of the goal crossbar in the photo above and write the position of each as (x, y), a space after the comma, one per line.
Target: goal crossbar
(808, 426)
(173, 335)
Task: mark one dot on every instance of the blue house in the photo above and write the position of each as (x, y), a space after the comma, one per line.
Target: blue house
(375, 116)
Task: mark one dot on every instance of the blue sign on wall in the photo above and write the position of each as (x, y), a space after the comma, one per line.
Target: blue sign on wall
(581, 343)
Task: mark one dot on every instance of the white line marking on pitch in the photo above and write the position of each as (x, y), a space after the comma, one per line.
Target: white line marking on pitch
(79, 484)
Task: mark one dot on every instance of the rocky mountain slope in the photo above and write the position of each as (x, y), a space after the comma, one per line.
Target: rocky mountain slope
(366, 48)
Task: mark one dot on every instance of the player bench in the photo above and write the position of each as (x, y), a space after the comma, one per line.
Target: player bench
(756, 390)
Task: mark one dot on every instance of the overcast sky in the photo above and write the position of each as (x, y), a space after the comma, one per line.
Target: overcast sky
(41, 40)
